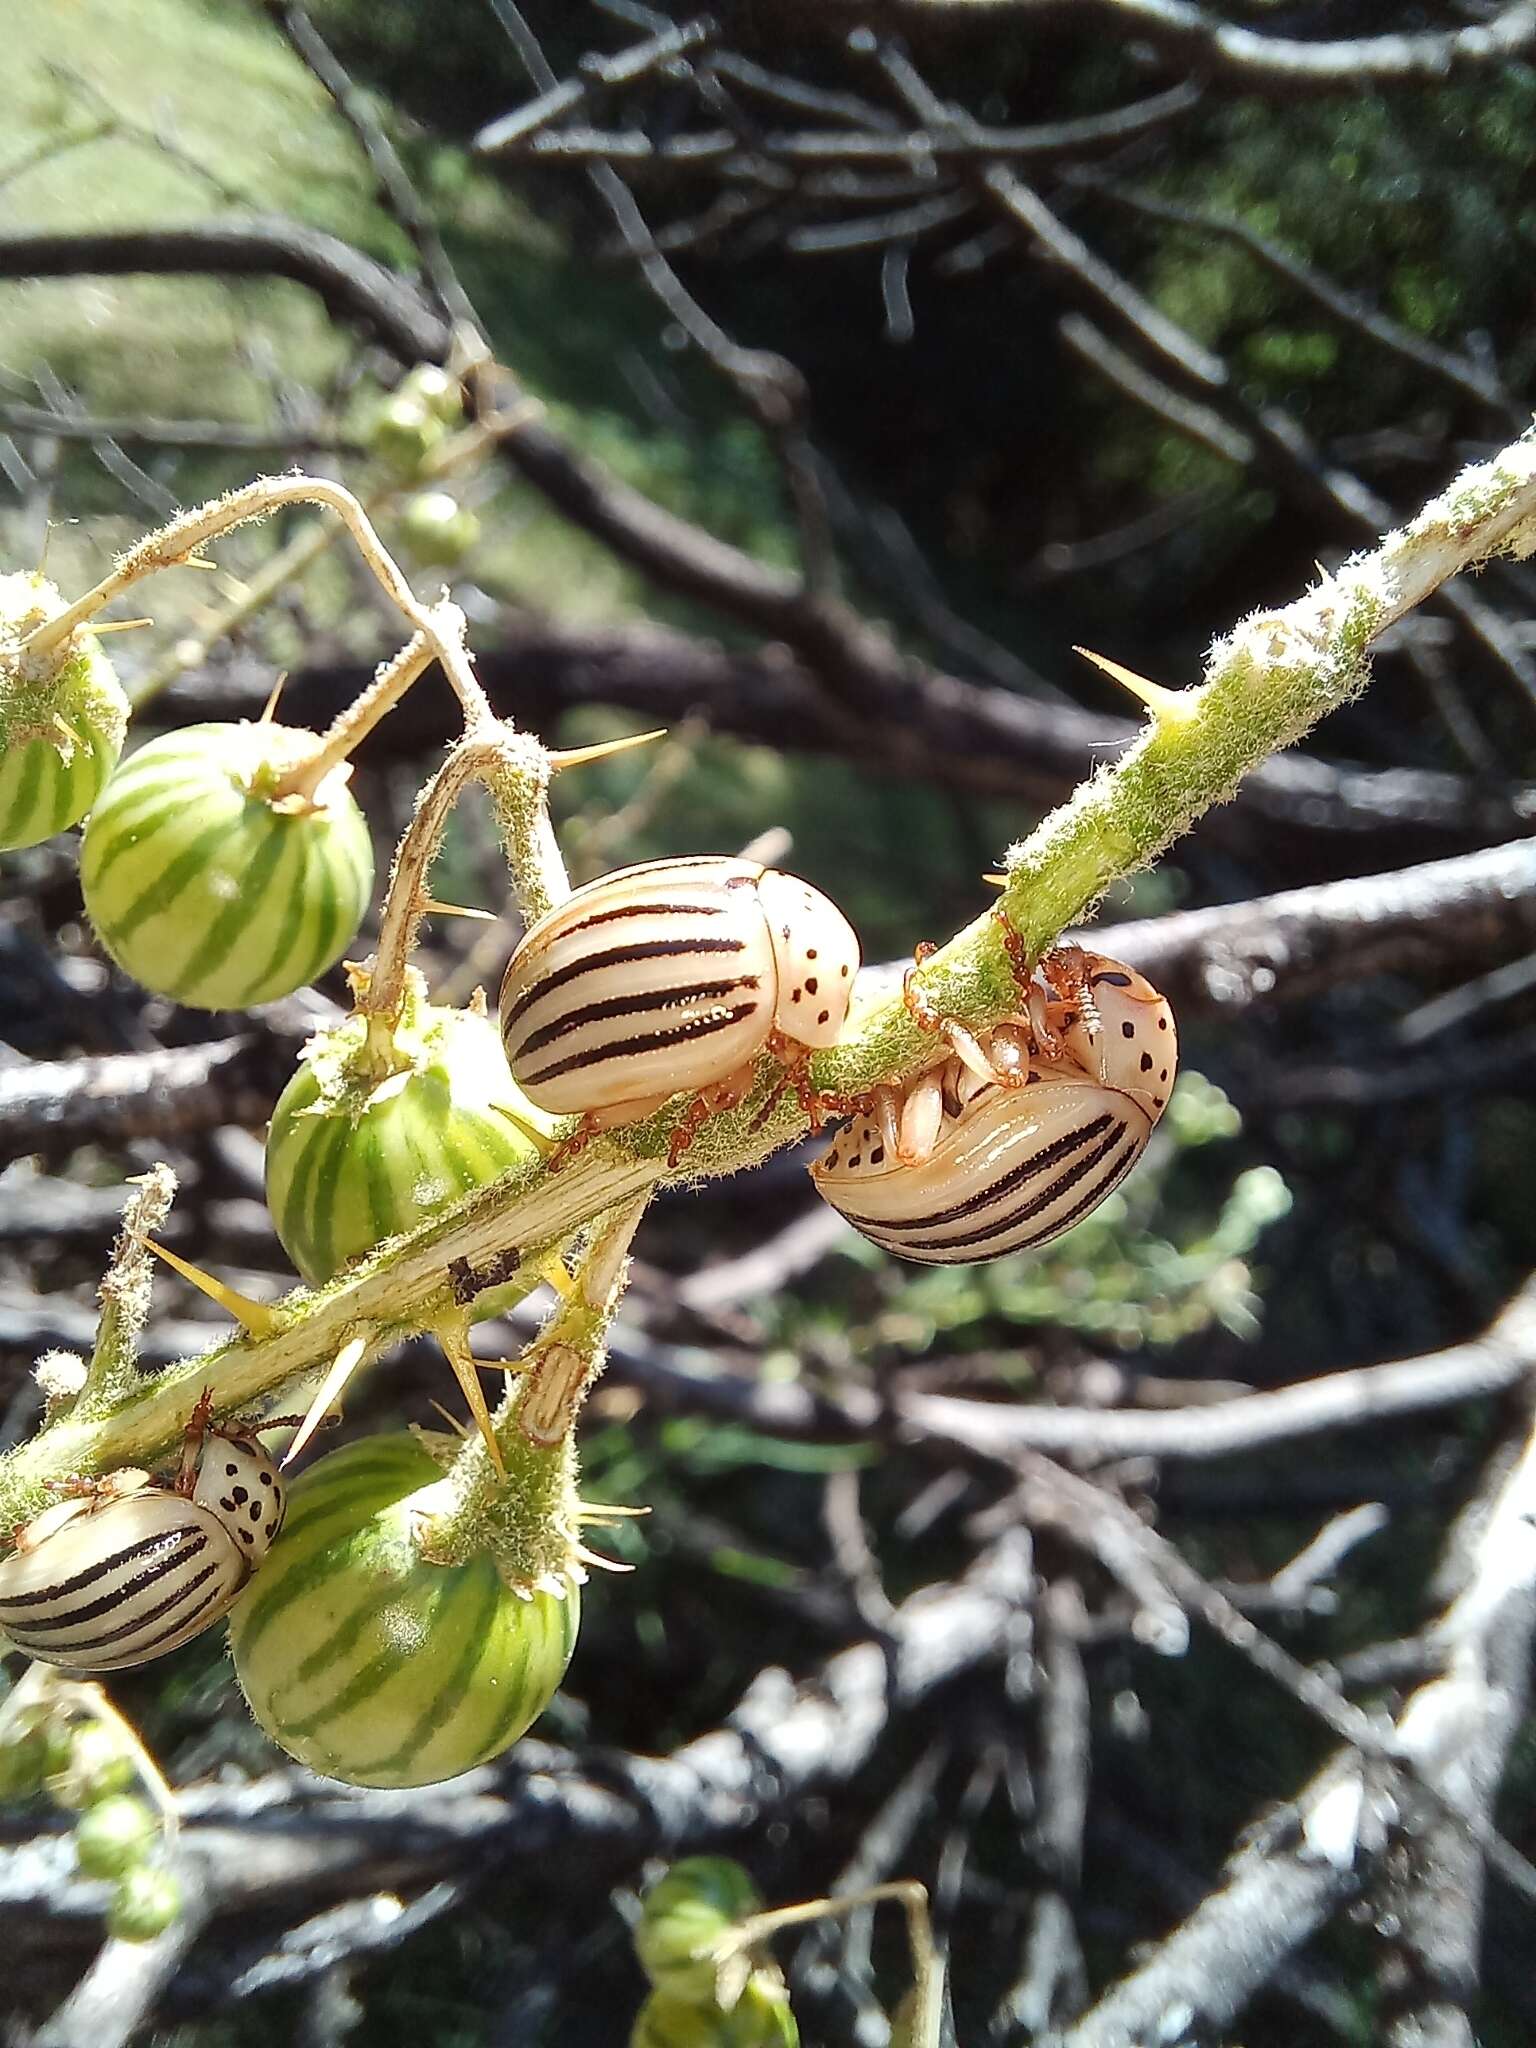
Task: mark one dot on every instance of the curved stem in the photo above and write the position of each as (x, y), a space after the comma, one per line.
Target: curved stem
(351, 727)
(478, 756)
(184, 535)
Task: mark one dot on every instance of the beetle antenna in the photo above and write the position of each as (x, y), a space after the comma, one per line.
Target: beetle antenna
(254, 1317)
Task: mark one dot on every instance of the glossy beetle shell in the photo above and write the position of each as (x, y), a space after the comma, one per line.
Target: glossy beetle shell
(1011, 1169)
(669, 977)
(103, 1586)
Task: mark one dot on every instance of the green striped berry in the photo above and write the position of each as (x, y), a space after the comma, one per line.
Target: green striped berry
(206, 885)
(62, 720)
(369, 1663)
(684, 1917)
(760, 2018)
(383, 1126)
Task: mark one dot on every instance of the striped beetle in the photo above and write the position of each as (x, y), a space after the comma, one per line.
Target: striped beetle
(672, 977)
(133, 1567)
(1017, 1134)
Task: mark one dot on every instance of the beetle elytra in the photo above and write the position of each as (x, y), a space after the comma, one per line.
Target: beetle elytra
(669, 978)
(134, 1568)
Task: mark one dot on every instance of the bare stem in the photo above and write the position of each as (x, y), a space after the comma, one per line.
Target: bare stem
(351, 727)
(125, 1295)
(181, 538)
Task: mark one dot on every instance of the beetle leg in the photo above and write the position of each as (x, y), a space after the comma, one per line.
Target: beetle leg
(1015, 948)
(1000, 1064)
(918, 1006)
(922, 1118)
(198, 1424)
(726, 1094)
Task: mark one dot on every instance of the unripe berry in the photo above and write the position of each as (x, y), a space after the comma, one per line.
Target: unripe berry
(378, 1130)
(114, 1835)
(62, 719)
(404, 431)
(207, 883)
(146, 1902)
(369, 1663)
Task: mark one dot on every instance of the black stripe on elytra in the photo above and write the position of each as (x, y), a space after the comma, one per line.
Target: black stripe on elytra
(185, 1626)
(175, 1598)
(175, 1554)
(146, 1547)
(632, 1006)
(585, 924)
(1027, 1170)
(616, 956)
(1002, 1226)
(643, 1042)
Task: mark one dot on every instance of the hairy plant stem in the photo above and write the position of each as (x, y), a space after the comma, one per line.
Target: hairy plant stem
(1266, 684)
(179, 540)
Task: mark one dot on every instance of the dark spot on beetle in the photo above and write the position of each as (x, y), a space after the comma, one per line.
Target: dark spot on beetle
(230, 1471)
(1114, 980)
(266, 1478)
(257, 1511)
(241, 1496)
(1157, 1101)
(877, 1157)
(810, 952)
(825, 1014)
(857, 1159)
(246, 1536)
(1163, 1075)
(795, 997)
(843, 970)
(785, 930)
(1162, 1023)
(1146, 1063)
(810, 983)
(1127, 1029)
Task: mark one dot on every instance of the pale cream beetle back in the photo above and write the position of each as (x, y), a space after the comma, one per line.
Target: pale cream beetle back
(1124, 1034)
(105, 1586)
(666, 978)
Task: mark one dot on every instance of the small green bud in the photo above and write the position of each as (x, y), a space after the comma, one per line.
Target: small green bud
(147, 1901)
(24, 1756)
(99, 1765)
(113, 1835)
(403, 432)
(438, 529)
(684, 1917)
(439, 392)
(760, 2018)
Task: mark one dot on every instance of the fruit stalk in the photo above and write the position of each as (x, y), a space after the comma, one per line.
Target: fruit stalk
(516, 768)
(179, 540)
(534, 1424)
